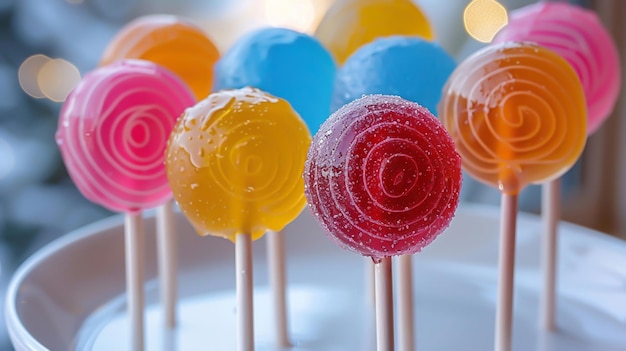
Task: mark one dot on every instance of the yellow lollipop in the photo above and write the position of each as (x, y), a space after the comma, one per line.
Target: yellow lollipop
(235, 162)
(350, 24)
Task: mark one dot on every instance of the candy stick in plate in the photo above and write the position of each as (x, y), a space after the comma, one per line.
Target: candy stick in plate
(350, 24)
(416, 70)
(183, 48)
(295, 67)
(580, 38)
(112, 134)
(235, 164)
(383, 179)
(517, 114)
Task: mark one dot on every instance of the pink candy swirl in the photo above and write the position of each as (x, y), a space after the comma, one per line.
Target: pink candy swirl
(579, 37)
(383, 177)
(113, 130)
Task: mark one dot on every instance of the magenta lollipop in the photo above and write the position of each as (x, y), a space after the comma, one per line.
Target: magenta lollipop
(112, 134)
(383, 179)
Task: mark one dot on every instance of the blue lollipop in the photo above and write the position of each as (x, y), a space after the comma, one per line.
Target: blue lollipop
(288, 64)
(411, 67)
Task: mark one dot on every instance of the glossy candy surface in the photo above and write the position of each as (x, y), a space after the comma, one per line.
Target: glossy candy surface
(383, 177)
(350, 24)
(517, 114)
(113, 129)
(234, 163)
(578, 36)
(410, 67)
(171, 42)
(287, 64)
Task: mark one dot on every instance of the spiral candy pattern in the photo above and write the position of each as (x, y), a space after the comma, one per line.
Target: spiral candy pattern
(517, 114)
(235, 163)
(171, 42)
(579, 37)
(383, 177)
(113, 129)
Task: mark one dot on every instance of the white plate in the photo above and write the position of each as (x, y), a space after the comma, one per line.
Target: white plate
(69, 296)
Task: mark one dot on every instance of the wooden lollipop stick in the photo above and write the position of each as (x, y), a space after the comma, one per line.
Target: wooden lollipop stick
(133, 236)
(277, 277)
(384, 305)
(406, 327)
(245, 308)
(167, 257)
(504, 308)
(550, 206)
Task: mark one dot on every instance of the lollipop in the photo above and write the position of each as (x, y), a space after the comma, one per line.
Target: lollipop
(411, 67)
(297, 68)
(170, 42)
(291, 65)
(112, 134)
(517, 115)
(234, 163)
(578, 36)
(185, 50)
(350, 24)
(416, 70)
(383, 179)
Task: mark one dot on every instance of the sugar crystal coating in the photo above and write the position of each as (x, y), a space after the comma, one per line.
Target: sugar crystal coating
(382, 176)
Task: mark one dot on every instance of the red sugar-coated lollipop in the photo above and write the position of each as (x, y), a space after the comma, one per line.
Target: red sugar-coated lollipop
(383, 177)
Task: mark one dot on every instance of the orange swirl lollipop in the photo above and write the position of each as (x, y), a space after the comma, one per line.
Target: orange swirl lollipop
(350, 24)
(171, 42)
(517, 115)
(234, 163)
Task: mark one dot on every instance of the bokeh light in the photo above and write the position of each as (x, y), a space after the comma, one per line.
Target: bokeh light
(28, 72)
(484, 18)
(57, 78)
(294, 14)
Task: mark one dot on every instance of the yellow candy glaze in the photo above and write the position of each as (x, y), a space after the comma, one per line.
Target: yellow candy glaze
(350, 24)
(235, 162)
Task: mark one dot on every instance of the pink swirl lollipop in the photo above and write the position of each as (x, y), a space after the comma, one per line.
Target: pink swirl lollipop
(578, 36)
(112, 133)
(383, 177)
(113, 130)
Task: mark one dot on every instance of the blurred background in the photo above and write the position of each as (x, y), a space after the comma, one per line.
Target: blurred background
(47, 45)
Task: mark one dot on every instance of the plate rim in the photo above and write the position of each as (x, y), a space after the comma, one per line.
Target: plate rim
(23, 340)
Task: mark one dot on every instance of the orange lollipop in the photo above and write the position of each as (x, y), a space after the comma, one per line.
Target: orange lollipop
(171, 42)
(517, 114)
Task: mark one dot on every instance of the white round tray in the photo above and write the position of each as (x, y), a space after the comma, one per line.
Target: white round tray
(70, 295)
